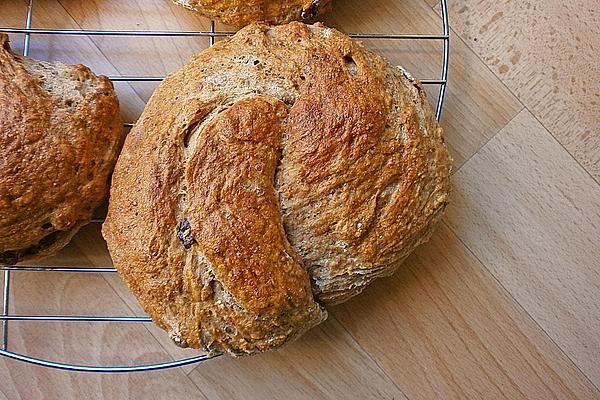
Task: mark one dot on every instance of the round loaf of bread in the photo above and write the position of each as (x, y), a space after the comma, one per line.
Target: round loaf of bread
(60, 133)
(240, 13)
(283, 169)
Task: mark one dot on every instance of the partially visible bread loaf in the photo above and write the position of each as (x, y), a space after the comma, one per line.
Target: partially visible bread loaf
(240, 13)
(59, 136)
(279, 154)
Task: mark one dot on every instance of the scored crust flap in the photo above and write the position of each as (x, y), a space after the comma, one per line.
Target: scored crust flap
(233, 281)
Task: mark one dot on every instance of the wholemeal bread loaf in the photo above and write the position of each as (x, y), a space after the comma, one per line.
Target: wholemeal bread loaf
(280, 159)
(240, 13)
(59, 137)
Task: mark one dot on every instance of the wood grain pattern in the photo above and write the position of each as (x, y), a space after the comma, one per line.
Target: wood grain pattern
(326, 363)
(546, 52)
(536, 227)
(13, 13)
(2, 395)
(25, 382)
(441, 328)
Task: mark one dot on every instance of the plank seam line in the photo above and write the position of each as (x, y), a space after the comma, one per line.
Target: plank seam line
(509, 296)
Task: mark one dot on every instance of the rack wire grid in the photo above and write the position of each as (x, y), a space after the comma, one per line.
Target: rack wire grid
(6, 317)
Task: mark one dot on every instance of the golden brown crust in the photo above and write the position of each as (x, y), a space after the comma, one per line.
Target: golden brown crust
(240, 13)
(59, 137)
(279, 151)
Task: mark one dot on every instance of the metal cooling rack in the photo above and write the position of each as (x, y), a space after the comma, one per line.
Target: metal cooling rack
(8, 270)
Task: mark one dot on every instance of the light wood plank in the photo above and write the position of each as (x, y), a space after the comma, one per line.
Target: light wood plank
(2, 395)
(477, 104)
(324, 364)
(25, 382)
(546, 52)
(532, 215)
(441, 328)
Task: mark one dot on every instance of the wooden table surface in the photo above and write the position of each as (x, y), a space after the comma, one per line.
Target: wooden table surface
(503, 302)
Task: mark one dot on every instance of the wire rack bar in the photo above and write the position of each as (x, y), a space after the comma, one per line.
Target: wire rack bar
(37, 268)
(73, 318)
(211, 39)
(445, 60)
(5, 292)
(6, 289)
(212, 34)
(209, 34)
(131, 78)
(116, 369)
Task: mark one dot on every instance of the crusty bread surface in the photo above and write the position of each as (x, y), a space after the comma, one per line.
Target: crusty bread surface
(60, 133)
(240, 13)
(279, 171)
